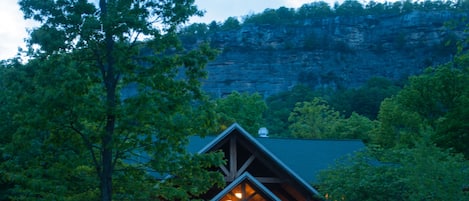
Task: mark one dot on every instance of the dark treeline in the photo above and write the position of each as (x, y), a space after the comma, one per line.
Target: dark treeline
(321, 9)
(364, 101)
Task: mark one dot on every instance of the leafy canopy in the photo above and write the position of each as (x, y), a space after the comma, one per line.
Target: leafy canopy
(103, 108)
(424, 172)
(438, 99)
(317, 119)
(245, 109)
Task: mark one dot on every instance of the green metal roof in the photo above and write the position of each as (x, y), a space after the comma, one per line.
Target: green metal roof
(304, 157)
(308, 157)
(196, 143)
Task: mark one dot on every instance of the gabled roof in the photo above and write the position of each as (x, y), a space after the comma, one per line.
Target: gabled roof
(246, 177)
(303, 158)
(258, 146)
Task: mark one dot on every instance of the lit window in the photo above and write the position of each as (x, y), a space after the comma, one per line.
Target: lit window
(243, 191)
(239, 195)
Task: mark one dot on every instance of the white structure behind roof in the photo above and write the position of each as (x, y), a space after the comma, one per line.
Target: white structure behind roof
(263, 132)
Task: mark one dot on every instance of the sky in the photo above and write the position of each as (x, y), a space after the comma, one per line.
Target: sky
(13, 27)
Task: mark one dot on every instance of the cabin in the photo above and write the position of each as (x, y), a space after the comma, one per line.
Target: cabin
(266, 168)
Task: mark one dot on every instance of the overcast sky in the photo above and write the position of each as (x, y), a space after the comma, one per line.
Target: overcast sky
(13, 26)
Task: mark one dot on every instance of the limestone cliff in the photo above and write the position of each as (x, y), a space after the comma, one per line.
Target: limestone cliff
(331, 52)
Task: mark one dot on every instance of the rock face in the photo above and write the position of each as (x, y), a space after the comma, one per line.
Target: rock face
(330, 52)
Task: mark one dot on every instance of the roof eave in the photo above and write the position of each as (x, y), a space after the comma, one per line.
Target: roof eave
(263, 149)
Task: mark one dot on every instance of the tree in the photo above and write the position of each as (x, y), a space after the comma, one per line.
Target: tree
(374, 8)
(358, 178)
(285, 15)
(268, 16)
(8, 126)
(364, 100)
(279, 107)
(350, 8)
(245, 109)
(230, 24)
(315, 9)
(424, 172)
(398, 126)
(313, 119)
(316, 119)
(356, 127)
(438, 99)
(194, 32)
(96, 109)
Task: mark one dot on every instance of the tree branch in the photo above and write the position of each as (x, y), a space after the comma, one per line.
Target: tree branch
(90, 147)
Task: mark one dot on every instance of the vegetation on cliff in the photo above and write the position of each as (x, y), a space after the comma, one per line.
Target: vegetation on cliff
(321, 9)
(340, 52)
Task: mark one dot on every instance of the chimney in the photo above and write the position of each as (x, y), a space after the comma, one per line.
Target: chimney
(263, 132)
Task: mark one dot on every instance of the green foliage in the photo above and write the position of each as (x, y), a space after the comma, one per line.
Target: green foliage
(424, 172)
(230, 24)
(245, 109)
(313, 120)
(95, 109)
(194, 32)
(397, 126)
(375, 7)
(314, 10)
(322, 9)
(316, 119)
(356, 127)
(8, 126)
(270, 16)
(364, 100)
(353, 104)
(349, 8)
(35, 159)
(433, 173)
(429, 5)
(280, 106)
(360, 178)
(437, 99)
(49, 153)
(213, 26)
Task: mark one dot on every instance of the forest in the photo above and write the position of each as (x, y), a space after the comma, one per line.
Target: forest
(69, 129)
(418, 132)
(321, 9)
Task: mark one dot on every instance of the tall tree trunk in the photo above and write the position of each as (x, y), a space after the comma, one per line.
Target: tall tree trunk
(110, 82)
(107, 146)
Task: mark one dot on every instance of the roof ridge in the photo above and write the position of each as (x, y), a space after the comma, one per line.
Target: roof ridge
(303, 139)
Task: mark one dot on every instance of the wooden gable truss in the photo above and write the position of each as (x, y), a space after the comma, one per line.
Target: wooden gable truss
(245, 156)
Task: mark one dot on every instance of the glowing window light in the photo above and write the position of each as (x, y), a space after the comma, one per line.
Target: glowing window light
(239, 195)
